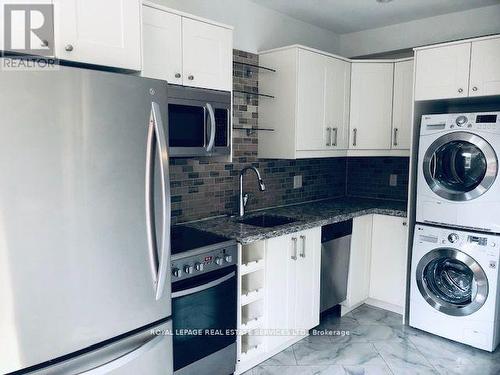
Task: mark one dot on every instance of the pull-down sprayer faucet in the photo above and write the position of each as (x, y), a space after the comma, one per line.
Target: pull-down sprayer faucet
(244, 196)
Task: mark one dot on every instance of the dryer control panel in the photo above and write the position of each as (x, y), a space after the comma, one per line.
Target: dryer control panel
(461, 121)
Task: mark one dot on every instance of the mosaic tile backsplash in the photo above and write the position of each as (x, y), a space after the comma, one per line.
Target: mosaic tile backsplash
(203, 188)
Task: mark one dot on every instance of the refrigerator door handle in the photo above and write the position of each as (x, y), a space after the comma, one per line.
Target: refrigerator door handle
(124, 359)
(159, 262)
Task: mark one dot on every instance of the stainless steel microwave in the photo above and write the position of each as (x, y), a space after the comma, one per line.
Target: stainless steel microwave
(199, 122)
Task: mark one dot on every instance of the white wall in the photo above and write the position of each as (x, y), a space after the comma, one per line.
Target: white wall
(258, 28)
(452, 26)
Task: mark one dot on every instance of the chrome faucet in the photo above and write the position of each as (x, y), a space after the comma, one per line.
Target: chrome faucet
(244, 196)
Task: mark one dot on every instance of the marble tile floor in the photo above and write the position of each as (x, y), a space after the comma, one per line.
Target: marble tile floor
(378, 343)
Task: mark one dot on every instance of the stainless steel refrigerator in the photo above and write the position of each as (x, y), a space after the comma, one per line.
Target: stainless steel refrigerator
(84, 223)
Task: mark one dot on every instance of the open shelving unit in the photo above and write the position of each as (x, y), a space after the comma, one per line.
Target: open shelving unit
(252, 317)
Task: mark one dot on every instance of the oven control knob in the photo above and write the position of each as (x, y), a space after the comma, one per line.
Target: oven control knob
(176, 272)
(188, 269)
(228, 258)
(461, 120)
(198, 267)
(219, 261)
(453, 237)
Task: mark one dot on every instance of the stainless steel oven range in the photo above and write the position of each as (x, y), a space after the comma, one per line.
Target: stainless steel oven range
(204, 302)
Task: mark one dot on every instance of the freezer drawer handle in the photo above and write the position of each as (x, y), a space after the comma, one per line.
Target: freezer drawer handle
(158, 262)
(203, 287)
(125, 359)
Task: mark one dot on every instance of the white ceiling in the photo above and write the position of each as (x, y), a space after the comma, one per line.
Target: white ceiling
(345, 16)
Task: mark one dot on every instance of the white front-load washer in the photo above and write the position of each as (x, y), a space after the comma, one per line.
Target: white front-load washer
(457, 180)
(454, 285)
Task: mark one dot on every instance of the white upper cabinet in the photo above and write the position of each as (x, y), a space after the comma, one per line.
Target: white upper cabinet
(371, 105)
(186, 51)
(161, 45)
(337, 97)
(484, 69)
(99, 32)
(310, 111)
(311, 129)
(207, 55)
(442, 72)
(402, 105)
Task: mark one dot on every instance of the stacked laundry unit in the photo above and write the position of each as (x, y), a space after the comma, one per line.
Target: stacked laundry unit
(456, 248)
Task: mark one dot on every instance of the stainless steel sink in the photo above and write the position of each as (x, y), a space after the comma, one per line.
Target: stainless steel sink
(267, 221)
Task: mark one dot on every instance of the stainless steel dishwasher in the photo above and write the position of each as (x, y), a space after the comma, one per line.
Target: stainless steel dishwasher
(335, 253)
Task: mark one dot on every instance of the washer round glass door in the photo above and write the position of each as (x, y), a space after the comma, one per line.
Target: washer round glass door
(460, 166)
(452, 282)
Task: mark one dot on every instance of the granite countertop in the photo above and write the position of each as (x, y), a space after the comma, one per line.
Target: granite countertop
(308, 215)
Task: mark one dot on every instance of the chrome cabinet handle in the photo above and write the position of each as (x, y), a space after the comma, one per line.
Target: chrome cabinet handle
(68, 48)
(294, 241)
(159, 262)
(211, 140)
(336, 132)
(177, 75)
(190, 77)
(303, 253)
(474, 88)
(396, 136)
(329, 136)
(354, 137)
(460, 90)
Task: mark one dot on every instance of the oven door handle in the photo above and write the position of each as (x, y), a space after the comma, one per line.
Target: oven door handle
(211, 284)
(211, 113)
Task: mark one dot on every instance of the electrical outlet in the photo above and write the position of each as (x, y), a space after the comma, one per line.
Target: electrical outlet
(393, 180)
(297, 182)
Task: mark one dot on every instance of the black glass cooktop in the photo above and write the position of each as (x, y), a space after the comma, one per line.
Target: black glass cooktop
(186, 238)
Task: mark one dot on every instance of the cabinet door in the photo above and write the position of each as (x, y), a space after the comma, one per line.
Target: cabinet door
(337, 97)
(484, 72)
(99, 32)
(311, 130)
(388, 260)
(161, 45)
(358, 282)
(307, 279)
(442, 72)
(402, 105)
(280, 292)
(371, 106)
(207, 55)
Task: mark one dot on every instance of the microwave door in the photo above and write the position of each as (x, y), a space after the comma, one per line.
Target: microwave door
(187, 128)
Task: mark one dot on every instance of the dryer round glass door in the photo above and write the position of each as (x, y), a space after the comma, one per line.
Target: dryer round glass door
(460, 166)
(452, 282)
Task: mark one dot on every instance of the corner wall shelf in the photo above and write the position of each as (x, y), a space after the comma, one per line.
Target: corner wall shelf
(250, 68)
(251, 131)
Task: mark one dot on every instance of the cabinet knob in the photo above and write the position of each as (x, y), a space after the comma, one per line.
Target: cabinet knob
(460, 90)
(191, 77)
(474, 88)
(45, 43)
(405, 224)
(68, 47)
(177, 75)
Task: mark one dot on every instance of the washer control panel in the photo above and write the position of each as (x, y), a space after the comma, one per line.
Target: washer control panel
(461, 121)
(197, 264)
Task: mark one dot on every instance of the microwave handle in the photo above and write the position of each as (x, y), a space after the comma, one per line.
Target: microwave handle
(212, 127)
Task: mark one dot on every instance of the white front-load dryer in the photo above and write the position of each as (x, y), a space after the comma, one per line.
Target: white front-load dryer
(457, 180)
(454, 285)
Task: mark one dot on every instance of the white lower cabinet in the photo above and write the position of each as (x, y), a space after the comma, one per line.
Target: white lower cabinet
(388, 260)
(288, 305)
(378, 263)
